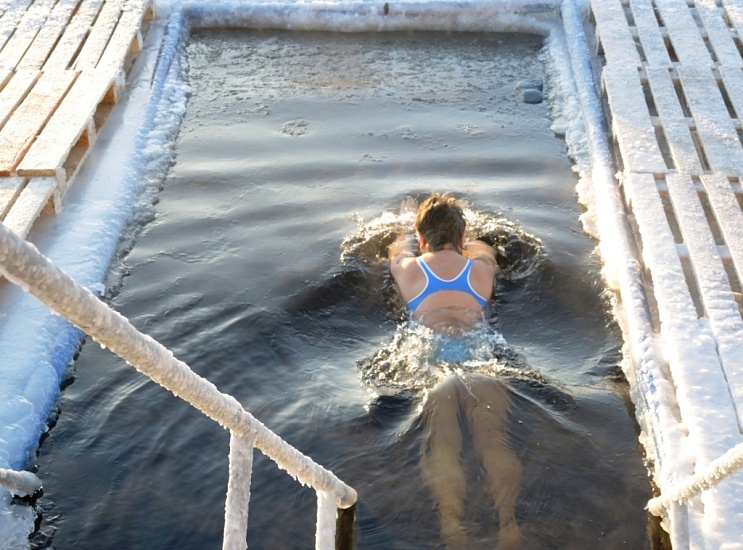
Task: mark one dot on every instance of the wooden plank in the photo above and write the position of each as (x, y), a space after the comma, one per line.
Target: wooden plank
(10, 189)
(734, 11)
(651, 37)
(614, 33)
(728, 215)
(10, 18)
(74, 35)
(127, 37)
(675, 124)
(25, 33)
(714, 125)
(704, 397)
(72, 119)
(45, 41)
(732, 78)
(718, 33)
(100, 34)
(30, 117)
(15, 91)
(717, 296)
(631, 122)
(684, 34)
(5, 76)
(32, 200)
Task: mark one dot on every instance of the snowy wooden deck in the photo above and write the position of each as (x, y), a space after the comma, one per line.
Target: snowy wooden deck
(62, 65)
(672, 78)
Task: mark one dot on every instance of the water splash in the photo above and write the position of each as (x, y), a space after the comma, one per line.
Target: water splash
(518, 253)
(417, 358)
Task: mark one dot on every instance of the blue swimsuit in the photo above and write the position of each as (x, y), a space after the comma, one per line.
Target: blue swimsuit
(434, 284)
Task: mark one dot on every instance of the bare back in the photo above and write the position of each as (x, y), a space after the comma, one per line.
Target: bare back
(445, 307)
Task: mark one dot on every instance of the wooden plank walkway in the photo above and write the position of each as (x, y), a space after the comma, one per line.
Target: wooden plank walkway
(672, 77)
(63, 64)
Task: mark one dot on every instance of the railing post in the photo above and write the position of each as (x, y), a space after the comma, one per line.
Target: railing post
(335, 525)
(325, 534)
(344, 528)
(238, 493)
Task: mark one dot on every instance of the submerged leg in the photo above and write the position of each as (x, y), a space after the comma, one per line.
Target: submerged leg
(487, 406)
(439, 463)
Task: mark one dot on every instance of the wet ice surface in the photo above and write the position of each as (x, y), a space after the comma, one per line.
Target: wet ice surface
(243, 274)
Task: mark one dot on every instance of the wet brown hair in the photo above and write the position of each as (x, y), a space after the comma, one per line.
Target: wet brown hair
(440, 219)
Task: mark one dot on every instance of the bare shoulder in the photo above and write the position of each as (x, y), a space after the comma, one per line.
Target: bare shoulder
(401, 264)
(482, 254)
(484, 267)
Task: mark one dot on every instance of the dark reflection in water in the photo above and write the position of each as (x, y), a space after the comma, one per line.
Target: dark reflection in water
(262, 271)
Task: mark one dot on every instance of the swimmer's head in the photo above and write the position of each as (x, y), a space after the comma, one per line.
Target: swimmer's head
(440, 221)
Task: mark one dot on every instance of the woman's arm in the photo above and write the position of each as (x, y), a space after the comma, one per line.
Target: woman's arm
(401, 248)
(404, 245)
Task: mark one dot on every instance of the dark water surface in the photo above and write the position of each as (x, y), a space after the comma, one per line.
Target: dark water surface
(289, 140)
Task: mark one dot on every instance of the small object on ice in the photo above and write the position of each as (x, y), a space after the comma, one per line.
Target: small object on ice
(531, 84)
(531, 95)
(531, 91)
(386, 8)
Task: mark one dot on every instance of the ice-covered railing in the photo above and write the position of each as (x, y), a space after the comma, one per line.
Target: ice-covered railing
(19, 483)
(714, 473)
(22, 264)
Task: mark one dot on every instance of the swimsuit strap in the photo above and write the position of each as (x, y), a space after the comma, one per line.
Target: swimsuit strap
(434, 283)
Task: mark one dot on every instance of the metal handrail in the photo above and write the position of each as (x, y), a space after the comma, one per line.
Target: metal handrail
(22, 264)
(727, 464)
(19, 483)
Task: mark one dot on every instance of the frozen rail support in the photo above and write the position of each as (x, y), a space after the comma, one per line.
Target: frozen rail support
(23, 265)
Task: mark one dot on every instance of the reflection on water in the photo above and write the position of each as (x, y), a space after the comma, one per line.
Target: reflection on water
(479, 404)
(259, 271)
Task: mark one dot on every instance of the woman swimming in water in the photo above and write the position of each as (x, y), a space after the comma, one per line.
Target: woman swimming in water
(446, 288)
